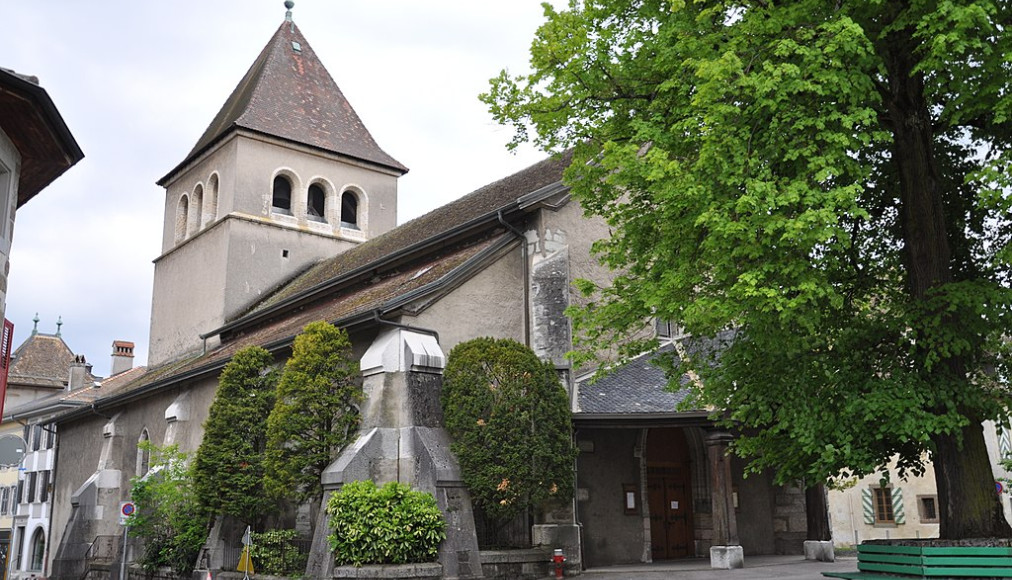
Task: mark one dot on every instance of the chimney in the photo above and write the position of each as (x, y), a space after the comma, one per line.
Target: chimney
(122, 356)
(79, 370)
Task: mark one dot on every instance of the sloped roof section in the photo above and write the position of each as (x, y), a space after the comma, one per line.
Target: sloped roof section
(289, 94)
(639, 386)
(43, 360)
(481, 203)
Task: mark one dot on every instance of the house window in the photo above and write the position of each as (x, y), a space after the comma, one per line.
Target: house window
(5, 501)
(20, 491)
(33, 481)
(316, 203)
(928, 507)
(883, 505)
(20, 541)
(44, 486)
(37, 437)
(38, 549)
(349, 210)
(281, 199)
(50, 436)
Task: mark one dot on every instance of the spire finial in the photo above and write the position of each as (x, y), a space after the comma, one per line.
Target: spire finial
(35, 329)
(59, 323)
(288, 12)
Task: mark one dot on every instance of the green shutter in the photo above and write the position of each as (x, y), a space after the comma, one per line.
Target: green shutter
(868, 506)
(898, 515)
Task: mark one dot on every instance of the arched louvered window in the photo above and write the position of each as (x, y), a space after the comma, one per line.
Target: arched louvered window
(316, 203)
(281, 198)
(349, 210)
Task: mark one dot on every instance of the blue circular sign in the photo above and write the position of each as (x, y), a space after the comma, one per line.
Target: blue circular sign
(128, 508)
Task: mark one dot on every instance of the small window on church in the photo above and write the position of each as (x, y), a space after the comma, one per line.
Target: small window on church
(349, 210)
(316, 204)
(281, 201)
(182, 213)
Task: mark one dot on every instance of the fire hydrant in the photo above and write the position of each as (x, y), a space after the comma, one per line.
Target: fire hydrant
(559, 560)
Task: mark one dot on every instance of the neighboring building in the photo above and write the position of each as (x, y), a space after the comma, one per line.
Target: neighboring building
(35, 148)
(863, 509)
(41, 368)
(284, 213)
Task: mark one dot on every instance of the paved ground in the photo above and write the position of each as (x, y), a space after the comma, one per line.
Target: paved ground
(756, 567)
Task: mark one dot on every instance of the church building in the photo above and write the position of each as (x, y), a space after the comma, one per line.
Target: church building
(284, 213)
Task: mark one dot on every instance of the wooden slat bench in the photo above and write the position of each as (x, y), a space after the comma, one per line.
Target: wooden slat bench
(883, 562)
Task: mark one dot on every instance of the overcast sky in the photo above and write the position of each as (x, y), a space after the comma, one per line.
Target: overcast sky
(138, 82)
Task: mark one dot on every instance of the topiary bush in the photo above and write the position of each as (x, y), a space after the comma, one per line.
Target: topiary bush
(386, 525)
(509, 418)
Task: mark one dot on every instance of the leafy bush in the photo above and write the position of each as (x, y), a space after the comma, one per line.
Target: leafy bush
(275, 552)
(512, 430)
(387, 525)
(168, 517)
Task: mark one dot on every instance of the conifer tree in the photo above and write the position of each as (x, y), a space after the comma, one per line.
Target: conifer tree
(316, 412)
(228, 468)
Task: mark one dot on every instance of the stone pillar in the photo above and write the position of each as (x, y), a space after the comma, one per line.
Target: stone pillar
(725, 553)
(401, 439)
(819, 541)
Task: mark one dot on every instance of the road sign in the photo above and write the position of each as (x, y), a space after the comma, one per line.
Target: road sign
(126, 509)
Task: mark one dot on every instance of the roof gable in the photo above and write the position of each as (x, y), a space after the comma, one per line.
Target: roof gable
(289, 94)
(42, 360)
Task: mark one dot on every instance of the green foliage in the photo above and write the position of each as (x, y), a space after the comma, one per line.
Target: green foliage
(831, 179)
(229, 465)
(315, 414)
(509, 418)
(168, 518)
(274, 552)
(387, 525)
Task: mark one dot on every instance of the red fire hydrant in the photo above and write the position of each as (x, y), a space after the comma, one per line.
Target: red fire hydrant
(559, 560)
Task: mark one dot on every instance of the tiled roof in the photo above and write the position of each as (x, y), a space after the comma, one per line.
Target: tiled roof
(431, 226)
(638, 386)
(43, 360)
(356, 301)
(289, 94)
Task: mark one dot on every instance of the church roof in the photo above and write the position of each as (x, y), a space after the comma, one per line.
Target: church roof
(639, 386)
(416, 260)
(289, 94)
(43, 360)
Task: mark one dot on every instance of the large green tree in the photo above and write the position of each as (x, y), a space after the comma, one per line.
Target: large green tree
(229, 468)
(316, 412)
(830, 178)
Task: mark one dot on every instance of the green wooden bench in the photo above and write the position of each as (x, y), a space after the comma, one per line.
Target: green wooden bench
(884, 562)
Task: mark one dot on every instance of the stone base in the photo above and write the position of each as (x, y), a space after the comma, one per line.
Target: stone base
(431, 571)
(820, 551)
(565, 537)
(726, 557)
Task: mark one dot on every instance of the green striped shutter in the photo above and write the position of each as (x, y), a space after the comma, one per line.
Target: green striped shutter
(868, 506)
(898, 514)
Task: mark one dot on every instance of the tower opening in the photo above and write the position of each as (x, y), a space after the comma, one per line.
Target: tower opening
(349, 210)
(281, 200)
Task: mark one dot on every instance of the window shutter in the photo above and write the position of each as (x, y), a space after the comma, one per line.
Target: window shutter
(898, 515)
(868, 507)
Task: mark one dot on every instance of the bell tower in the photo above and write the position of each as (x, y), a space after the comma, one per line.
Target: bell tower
(285, 175)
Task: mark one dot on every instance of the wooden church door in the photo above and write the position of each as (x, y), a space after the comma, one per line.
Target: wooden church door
(669, 493)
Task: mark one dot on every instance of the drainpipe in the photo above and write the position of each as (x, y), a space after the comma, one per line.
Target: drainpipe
(527, 275)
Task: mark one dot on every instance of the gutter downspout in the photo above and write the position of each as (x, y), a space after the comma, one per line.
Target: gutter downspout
(527, 275)
(378, 320)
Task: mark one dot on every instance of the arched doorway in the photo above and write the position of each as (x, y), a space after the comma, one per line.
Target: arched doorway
(669, 493)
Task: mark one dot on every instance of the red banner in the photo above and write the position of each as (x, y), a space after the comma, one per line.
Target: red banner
(5, 361)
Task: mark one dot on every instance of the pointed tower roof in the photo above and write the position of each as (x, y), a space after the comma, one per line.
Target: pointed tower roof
(289, 94)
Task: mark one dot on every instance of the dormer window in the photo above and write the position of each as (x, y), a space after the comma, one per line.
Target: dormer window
(281, 199)
(349, 210)
(316, 203)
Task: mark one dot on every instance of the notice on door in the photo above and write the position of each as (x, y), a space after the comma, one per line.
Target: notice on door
(674, 505)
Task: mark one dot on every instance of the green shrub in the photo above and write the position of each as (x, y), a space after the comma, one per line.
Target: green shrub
(509, 418)
(387, 525)
(275, 552)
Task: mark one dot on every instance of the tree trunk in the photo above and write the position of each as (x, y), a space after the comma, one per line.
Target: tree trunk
(967, 502)
(968, 505)
(817, 513)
